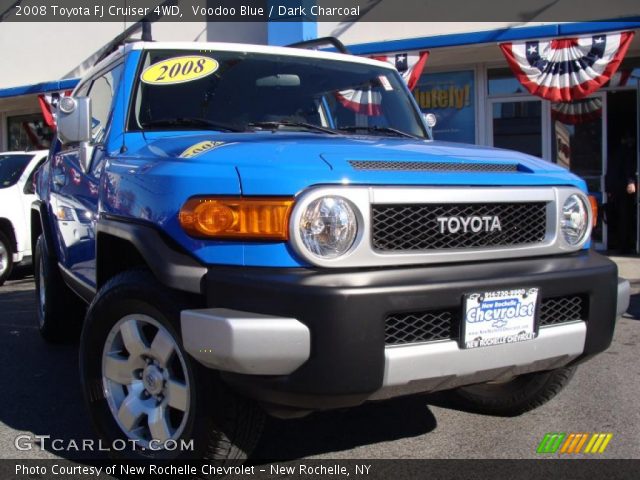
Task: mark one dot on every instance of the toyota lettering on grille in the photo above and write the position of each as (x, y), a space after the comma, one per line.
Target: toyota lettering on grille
(475, 224)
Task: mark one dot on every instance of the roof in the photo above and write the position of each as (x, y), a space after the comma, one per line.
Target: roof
(235, 47)
(268, 49)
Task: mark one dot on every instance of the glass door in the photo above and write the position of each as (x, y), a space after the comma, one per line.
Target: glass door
(579, 143)
(622, 168)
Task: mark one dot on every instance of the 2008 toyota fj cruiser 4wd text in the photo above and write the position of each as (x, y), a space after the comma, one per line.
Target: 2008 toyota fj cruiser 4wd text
(274, 230)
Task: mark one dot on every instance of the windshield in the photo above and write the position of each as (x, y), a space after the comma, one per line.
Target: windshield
(11, 168)
(239, 91)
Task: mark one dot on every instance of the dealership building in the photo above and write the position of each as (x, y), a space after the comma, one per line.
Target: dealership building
(477, 90)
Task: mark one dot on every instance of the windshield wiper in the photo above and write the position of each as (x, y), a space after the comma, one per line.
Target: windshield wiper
(190, 122)
(274, 125)
(376, 129)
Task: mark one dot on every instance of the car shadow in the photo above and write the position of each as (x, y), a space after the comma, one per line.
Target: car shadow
(22, 272)
(334, 431)
(42, 396)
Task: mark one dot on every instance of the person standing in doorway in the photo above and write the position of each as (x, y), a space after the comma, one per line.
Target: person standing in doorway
(622, 189)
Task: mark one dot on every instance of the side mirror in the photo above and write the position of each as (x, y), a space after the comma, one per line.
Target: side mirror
(73, 118)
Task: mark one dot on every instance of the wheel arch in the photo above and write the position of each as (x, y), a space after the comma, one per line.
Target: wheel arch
(6, 227)
(41, 225)
(124, 245)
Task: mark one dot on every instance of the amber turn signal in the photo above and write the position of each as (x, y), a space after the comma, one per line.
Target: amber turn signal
(237, 217)
(594, 210)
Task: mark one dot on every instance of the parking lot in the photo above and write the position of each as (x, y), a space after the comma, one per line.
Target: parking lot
(41, 395)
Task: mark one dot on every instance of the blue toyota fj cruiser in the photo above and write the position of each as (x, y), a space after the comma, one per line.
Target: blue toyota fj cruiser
(264, 229)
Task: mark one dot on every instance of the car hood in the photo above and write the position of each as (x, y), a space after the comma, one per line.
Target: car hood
(283, 163)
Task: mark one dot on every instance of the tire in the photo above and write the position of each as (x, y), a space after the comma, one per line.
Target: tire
(515, 397)
(134, 319)
(6, 258)
(59, 311)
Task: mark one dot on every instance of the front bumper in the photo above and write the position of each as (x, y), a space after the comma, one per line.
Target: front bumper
(319, 339)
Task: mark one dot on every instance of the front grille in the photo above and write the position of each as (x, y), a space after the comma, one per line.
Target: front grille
(432, 325)
(416, 227)
(562, 309)
(401, 328)
(433, 166)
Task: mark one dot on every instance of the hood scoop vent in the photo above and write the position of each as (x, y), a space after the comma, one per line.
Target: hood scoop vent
(435, 166)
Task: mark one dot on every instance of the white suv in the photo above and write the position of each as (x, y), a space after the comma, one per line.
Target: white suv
(16, 195)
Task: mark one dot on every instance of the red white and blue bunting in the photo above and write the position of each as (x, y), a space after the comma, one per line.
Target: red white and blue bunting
(409, 64)
(562, 70)
(575, 113)
(364, 102)
(48, 103)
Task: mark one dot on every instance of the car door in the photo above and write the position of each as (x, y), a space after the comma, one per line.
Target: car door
(74, 191)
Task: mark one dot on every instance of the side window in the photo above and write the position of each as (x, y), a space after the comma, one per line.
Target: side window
(101, 93)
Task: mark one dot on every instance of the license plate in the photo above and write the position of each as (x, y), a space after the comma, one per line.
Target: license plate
(500, 317)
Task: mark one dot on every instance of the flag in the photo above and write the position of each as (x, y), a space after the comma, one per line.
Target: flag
(48, 104)
(410, 65)
(365, 102)
(575, 113)
(566, 69)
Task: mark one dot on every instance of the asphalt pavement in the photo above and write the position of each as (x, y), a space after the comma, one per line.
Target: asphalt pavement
(41, 395)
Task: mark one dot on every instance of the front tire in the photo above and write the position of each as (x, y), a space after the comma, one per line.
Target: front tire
(514, 397)
(6, 258)
(141, 385)
(59, 310)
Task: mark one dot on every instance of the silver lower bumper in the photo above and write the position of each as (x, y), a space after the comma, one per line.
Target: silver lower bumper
(256, 344)
(444, 365)
(242, 342)
(624, 296)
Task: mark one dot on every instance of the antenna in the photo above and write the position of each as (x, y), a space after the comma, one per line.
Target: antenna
(123, 148)
(317, 42)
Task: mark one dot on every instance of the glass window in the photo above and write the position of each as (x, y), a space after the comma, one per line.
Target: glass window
(503, 82)
(246, 89)
(518, 126)
(28, 132)
(101, 93)
(450, 96)
(11, 168)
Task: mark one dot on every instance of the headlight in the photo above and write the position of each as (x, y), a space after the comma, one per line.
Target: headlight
(328, 227)
(575, 219)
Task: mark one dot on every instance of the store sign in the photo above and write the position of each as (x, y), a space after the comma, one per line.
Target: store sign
(450, 96)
